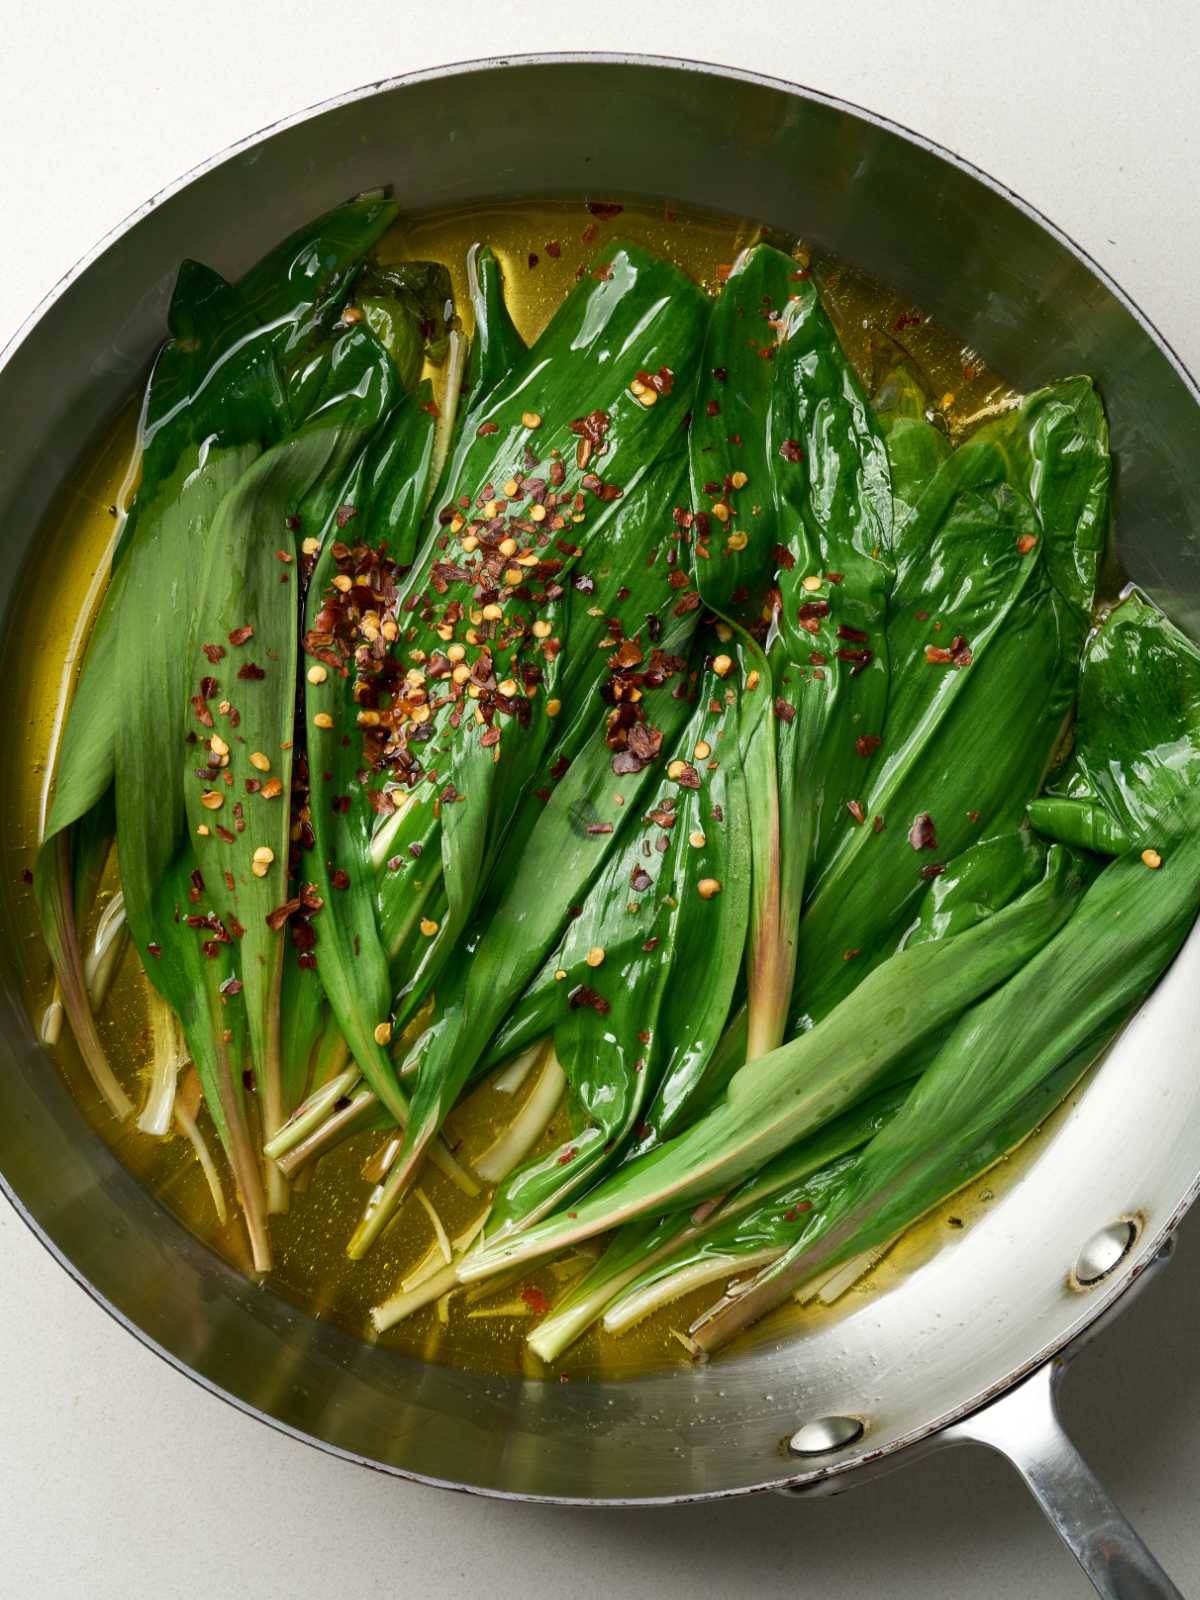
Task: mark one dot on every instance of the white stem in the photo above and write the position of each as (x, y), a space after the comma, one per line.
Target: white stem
(834, 1284)
(634, 1307)
(518, 1069)
(312, 1113)
(439, 1228)
(389, 827)
(209, 1167)
(527, 1127)
(170, 1058)
(561, 1328)
(298, 1157)
(108, 946)
(456, 364)
(50, 1030)
(404, 1304)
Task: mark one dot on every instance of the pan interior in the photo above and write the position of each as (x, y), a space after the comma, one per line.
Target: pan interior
(980, 1308)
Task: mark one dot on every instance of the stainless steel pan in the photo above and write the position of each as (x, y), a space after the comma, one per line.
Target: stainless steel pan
(989, 1314)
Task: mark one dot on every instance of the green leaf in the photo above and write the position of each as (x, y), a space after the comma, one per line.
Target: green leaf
(635, 1026)
(645, 1254)
(778, 1098)
(352, 958)
(496, 346)
(243, 852)
(968, 738)
(915, 447)
(571, 395)
(1039, 1031)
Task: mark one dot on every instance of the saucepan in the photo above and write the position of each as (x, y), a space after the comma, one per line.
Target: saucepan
(965, 1347)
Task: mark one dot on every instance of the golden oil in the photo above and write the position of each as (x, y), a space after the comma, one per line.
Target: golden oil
(542, 247)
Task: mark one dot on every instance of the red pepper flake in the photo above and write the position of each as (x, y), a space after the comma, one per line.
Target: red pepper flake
(599, 827)
(380, 800)
(662, 381)
(602, 272)
(602, 491)
(339, 878)
(922, 835)
(553, 249)
(790, 450)
(784, 557)
(276, 919)
(817, 658)
(606, 210)
(588, 236)
(934, 871)
(26, 875)
(958, 655)
(231, 986)
(712, 409)
(906, 319)
(855, 808)
(490, 737)
(860, 658)
(155, 950)
(811, 613)
(240, 635)
(867, 743)
(285, 556)
(973, 816)
(879, 825)
(214, 652)
(431, 407)
(1026, 543)
(251, 672)
(591, 432)
(797, 1211)
(651, 944)
(582, 995)
(784, 711)
(533, 261)
(485, 428)
(853, 635)
(849, 955)
(535, 1299)
(640, 879)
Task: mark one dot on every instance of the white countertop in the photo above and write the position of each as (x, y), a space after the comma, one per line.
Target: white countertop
(120, 1479)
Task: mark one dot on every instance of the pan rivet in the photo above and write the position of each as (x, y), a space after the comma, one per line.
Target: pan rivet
(823, 1434)
(1104, 1251)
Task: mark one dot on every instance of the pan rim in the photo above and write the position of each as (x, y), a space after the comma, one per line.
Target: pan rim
(1121, 1281)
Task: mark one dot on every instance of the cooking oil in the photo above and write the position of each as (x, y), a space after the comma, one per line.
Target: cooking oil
(542, 248)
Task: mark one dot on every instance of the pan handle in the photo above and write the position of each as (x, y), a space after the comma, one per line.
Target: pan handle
(1023, 1425)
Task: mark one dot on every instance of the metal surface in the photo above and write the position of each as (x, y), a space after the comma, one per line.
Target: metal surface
(826, 1434)
(1024, 1427)
(996, 1299)
(1103, 1253)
